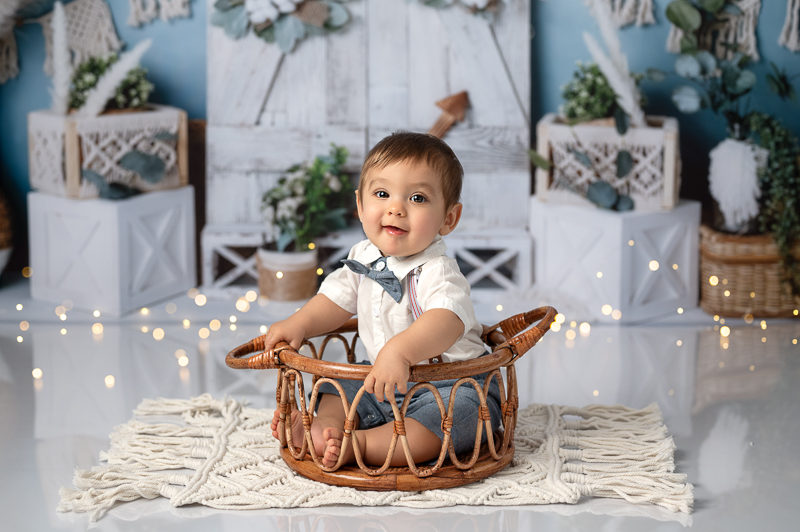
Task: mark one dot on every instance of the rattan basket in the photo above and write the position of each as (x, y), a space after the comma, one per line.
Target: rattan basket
(740, 275)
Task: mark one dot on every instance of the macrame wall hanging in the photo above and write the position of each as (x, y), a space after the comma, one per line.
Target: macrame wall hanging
(145, 11)
(90, 29)
(728, 28)
(9, 67)
(627, 12)
(790, 35)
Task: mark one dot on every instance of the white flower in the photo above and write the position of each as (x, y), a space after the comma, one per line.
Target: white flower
(287, 208)
(298, 187)
(260, 11)
(333, 182)
(269, 214)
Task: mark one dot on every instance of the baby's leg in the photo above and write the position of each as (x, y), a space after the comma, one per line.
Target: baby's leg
(374, 444)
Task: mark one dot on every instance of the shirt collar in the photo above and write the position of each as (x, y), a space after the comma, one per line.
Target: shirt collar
(400, 266)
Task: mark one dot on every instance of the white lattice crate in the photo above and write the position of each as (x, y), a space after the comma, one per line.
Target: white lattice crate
(653, 183)
(60, 147)
(112, 255)
(622, 266)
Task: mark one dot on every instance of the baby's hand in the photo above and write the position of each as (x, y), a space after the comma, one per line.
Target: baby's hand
(286, 331)
(390, 370)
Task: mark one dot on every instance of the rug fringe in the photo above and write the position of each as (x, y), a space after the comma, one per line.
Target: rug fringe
(620, 452)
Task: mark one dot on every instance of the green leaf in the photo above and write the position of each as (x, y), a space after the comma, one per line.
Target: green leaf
(539, 161)
(267, 34)
(107, 190)
(95, 179)
(165, 135)
(654, 74)
(624, 203)
(738, 81)
(286, 238)
(338, 16)
(684, 15)
(687, 99)
(150, 167)
(234, 21)
(708, 63)
(225, 5)
(624, 163)
(602, 194)
(581, 157)
(712, 6)
(288, 30)
(621, 120)
(689, 43)
(687, 66)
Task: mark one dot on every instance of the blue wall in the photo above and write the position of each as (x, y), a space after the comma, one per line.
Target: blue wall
(177, 65)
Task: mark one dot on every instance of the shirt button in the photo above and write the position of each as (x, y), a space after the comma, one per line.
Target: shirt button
(380, 266)
(376, 311)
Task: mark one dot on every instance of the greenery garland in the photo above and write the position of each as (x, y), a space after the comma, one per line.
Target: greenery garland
(132, 93)
(780, 191)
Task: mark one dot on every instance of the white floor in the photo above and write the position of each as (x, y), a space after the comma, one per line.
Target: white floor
(733, 406)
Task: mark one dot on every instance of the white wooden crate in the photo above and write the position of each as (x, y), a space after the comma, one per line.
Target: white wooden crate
(640, 264)
(112, 256)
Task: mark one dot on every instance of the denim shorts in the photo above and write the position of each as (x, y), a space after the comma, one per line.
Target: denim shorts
(424, 409)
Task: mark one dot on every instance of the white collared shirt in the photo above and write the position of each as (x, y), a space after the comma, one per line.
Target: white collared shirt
(440, 285)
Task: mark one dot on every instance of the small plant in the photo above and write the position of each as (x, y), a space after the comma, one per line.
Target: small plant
(132, 93)
(310, 200)
(588, 95)
(693, 18)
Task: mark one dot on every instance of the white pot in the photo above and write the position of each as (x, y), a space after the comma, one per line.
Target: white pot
(733, 180)
(287, 276)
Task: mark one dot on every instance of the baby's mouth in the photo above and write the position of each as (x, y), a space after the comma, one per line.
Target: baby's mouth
(392, 230)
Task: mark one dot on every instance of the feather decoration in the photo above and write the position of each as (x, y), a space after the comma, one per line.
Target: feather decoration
(97, 99)
(614, 66)
(62, 62)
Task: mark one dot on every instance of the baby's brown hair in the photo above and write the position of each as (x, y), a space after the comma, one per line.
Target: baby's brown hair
(417, 147)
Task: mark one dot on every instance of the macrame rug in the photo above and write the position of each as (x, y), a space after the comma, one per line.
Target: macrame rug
(562, 454)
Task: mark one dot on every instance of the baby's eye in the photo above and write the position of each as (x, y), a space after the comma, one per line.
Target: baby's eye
(382, 194)
(418, 198)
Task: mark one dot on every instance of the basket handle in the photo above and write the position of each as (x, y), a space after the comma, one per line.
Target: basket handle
(264, 360)
(511, 327)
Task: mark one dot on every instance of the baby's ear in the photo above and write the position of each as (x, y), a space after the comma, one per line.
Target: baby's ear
(451, 219)
(358, 205)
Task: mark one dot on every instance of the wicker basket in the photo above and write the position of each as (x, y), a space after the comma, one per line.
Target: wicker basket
(740, 275)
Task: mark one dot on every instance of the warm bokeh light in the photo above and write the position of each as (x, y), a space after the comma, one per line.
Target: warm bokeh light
(320, 271)
(599, 275)
(263, 329)
(192, 292)
(727, 293)
(606, 310)
(145, 329)
(233, 326)
(200, 300)
(214, 325)
(67, 304)
(60, 310)
(585, 329)
(109, 380)
(573, 324)
(653, 265)
(570, 334)
(27, 271)
(794, 341)
(279, 275)
(795, 311)
(63, 317)
(158, 333)
(617, 314)
(63, 332)
(630, 242)
(748, 318)
(725, 331)
(96, 313)
(674, 266)
(724, 281)
(20, 339)
(242, 305)
(763, 339)
(97, 328)
(203, 333)
(752, 368)
(680, 310)
(312, 245)
(560, 318)
(24, 325)
(19, 306)
(763, 324)
(555, 326)
(180, 353)
(752, 295)
(171, 308)
(713, 280)
(186, 324)
(251, 296)
(596, 393)
(183, 361)
(499, 308)
(37, 373)
(716, 317)
(232, 319)
(672, 392)
(145, 311)
(679, 343)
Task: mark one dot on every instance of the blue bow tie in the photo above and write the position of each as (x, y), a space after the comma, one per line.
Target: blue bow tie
(380, 273)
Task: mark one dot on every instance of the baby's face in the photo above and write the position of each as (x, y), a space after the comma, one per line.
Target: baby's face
(402, 208)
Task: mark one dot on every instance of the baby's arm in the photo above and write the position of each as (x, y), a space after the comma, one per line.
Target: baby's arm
(318, 316)
(433, 333)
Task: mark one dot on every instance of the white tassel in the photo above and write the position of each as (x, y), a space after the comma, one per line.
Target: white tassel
(733, 180)
(790, 35)
(146, 11)
(626, 12)
(615, 65)
(62, 62)
(104, 90)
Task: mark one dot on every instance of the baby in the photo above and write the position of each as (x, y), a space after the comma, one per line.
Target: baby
(412, 303)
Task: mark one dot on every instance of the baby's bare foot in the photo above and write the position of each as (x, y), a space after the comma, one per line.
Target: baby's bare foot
(333, 447)
(298, 433)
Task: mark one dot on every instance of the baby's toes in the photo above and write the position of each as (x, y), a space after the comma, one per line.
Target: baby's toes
(331, 454)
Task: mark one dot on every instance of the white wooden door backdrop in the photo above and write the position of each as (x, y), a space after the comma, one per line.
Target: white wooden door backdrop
(383, 72)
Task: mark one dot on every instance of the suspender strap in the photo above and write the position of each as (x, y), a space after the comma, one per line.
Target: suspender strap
(416, 310)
